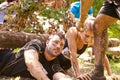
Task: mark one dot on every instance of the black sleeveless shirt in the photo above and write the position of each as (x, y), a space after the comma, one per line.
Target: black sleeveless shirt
(78, 51)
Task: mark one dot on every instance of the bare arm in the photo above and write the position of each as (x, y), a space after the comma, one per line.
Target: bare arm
(34, 66)
(85, 6)
(71, 38)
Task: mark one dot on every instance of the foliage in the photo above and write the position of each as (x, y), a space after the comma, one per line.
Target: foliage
(26, 20)
(27, 7)
(1, 1)
(24, 16)
(114, 30)
(96, 6)
(49, 12)
(115, 66)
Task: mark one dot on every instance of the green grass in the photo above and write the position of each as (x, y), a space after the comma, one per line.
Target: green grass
(115, 67)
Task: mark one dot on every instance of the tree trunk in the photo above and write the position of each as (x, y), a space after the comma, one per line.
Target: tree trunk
(9, 39)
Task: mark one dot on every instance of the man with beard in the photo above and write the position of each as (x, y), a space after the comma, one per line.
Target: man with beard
(37, 60)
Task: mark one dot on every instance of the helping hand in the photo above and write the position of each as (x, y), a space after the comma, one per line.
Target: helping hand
(80, 27)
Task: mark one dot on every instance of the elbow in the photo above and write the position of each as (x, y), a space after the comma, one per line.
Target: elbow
(30, 58)
(74, 57)
(29, 64)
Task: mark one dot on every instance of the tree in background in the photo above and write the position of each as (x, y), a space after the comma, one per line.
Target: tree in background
(27, 20)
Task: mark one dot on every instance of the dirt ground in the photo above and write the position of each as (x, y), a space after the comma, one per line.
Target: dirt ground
(85, 66)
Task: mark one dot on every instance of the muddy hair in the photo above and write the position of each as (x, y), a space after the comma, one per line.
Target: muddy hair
(89, 24)
(59, 33)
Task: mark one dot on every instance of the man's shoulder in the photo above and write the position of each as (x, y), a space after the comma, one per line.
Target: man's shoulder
(35, 43)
